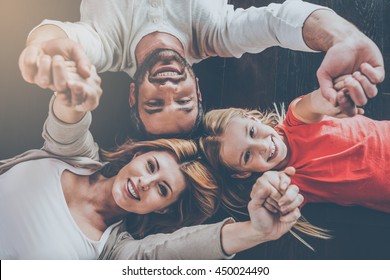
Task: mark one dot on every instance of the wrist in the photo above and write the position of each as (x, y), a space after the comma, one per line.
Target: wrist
(44, 33)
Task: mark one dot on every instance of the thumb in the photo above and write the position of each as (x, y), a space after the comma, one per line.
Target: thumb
(289, 170)
(83, 63)
(326, 85)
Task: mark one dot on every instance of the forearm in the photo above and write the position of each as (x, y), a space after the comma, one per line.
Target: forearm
(324, 28)
(239, 236)
(45, 33)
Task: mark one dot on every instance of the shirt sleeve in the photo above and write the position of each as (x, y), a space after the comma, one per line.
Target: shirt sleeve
(202, 242)
(68, 140)
(252, 30)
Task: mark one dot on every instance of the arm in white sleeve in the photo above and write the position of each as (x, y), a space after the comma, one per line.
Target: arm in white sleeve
(235, 32)
(67, 140)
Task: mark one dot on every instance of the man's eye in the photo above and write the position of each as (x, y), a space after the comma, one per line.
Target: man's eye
(153, 103)
(247, 156)
(251, 132)
(183, 101)
(163, 190)
(151, 166)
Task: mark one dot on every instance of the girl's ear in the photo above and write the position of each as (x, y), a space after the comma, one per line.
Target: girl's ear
(162, 211)
(242, 175)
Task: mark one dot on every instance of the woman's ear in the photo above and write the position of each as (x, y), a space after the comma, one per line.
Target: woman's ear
(162, 211)
(136, 154)
(132, 98)
(242, 175)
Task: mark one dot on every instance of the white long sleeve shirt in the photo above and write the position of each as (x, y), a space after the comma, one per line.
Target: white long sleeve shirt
(109, 31)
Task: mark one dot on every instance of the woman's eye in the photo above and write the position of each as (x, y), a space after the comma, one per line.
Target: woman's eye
(163, 190)
(247, 156)
(151, 166)
(251, 132)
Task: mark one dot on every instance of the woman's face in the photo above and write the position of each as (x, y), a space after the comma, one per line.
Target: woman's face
(150, 182)
(250, 146)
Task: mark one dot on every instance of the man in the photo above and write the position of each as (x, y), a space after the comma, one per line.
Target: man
(156, 41)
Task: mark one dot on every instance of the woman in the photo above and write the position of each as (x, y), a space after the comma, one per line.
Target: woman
(68, 139)
(65, 207)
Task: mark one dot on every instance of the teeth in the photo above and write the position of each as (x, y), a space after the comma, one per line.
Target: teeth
(166, 74)
(131, 189)
(273, 148)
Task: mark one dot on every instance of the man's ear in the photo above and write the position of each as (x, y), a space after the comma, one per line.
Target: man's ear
(162, 211)
(132, 98)
(198, 93)
(242, 175)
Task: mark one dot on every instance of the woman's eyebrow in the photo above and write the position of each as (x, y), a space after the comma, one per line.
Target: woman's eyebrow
(165, 182)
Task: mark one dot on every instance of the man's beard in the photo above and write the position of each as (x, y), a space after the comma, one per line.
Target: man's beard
(166, 56)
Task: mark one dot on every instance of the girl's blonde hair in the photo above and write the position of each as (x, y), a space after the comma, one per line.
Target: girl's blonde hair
(197, 203)
(235, 192)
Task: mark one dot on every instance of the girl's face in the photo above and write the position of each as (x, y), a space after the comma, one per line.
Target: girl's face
(250, 146)
(149, 183)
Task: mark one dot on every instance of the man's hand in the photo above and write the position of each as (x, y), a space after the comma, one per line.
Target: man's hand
(39, 63)
(359, 56)
(347, 50)
(82, 95)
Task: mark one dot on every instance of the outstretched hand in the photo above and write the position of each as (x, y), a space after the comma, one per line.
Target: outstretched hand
(356, 53)
(82, 95)
(268, 218)
(39, 63)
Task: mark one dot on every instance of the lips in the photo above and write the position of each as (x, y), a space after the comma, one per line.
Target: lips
(132, 190)
(273, 150)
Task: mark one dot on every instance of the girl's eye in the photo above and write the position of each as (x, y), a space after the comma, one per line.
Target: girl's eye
(151, 166)
(247, 156)
(251, 132)
(163, 190)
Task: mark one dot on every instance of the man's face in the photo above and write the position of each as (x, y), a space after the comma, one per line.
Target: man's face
(167, 99)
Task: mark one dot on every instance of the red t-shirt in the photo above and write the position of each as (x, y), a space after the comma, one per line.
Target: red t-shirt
(343, 161)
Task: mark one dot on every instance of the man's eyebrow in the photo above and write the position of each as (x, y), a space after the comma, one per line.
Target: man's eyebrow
(152, 111)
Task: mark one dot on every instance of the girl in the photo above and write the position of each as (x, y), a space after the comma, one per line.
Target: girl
(338, 160)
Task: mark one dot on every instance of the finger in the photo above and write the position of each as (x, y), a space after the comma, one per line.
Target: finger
(355, 91)
(291, 217)
(291, 206)
(326, 85)
(290, 195)
(78, 95)
(369, 88)
(341, 78)
(272, 202)
(261, 195)
(28, 63)
(285, 178)
(44, 77)
(81, 59)
(346, 106)
(271, 207)
(60, 76)
(376, 74)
